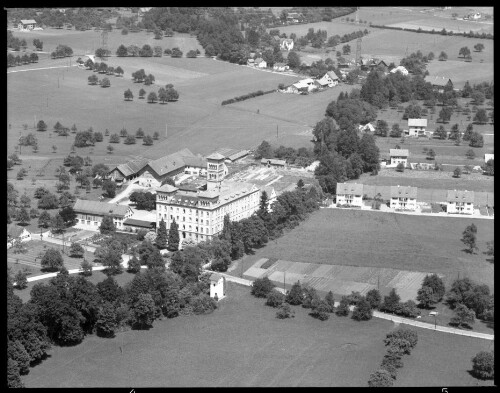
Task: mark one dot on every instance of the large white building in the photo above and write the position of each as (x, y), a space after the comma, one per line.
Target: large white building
(200, 213)
(89, 214)
(460, 202)
(349, 194)
(403, 198)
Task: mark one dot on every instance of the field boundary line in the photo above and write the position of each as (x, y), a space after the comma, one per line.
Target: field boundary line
(43, 68)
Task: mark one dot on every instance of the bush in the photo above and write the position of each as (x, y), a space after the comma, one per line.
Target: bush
(380, 378)
(275, 298)
(402, 333)
(295, 295)
(284, 311)
(362, 311)
(483, 365)
(261, 287)
(321, 310)
(373, 297)
(343, 308)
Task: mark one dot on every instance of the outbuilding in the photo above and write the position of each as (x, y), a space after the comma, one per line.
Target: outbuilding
(217, 286)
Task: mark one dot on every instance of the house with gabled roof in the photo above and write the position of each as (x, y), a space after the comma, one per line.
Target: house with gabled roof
(460, 202)
(398, 156)
(217, 286)
(330, 79)
(17, 233)
(400, 69)
(232, 155)
(403, 198)
(260, 63)
(416, 127)
(368, 127)
(273, 162)
(439, 83)
(280, 67)
(128, 171)
(349, 194)
(26, 24)
(89, 214)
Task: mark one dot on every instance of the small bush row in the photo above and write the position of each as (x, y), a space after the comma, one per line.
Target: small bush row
(470, 34)
(246, 97)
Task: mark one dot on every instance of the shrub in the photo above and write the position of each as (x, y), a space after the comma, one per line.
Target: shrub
(284, 311)
(380, 378)
(275, 298)
(362, 311)
(373, 297)
(261, 287)
(321, 310)
(402, 333)
(343, 308)
(295, 295)
(483, 365)
(310, 297)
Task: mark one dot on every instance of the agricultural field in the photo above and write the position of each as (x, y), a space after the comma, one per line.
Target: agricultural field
(384, 240)
(335, 27)
(243, 344)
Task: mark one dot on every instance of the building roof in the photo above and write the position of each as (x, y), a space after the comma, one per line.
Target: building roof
(231, 154)
(171, 162)
(349, 188)
(272, 161)
(196, 161)
(321, 82)
(398, 152)
(251, 60)
(417, 122)
(215, 277)
(139, 223)
(332, 75)
(14, 230)
(401, 69)
(403, 191)
(437, 80)
(460, 196)
(28, 21)
(167, 188)
(303, 83)
(366, 126)
(279, 65)
(488, 157)
(259, 59)
(131, 167)
(100, 208)
(215, 156)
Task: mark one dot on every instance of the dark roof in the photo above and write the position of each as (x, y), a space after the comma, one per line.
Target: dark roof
(403, 191)
(171, 162)
(438, 80)
(215, 277)
(14, 230)
(131, 167)
(100, 208)
(273, 161)
(460, 196)
(184, 200)
(398, 152)
(196, 161)
(215, 156)
(139, 223)
(349, 188)
(167, 188)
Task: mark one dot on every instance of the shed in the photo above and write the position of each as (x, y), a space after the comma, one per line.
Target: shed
(217, 286)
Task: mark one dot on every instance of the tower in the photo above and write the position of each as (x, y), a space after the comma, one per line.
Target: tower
(215, 171)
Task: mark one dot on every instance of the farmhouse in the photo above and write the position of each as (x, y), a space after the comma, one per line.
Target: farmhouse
(16, 232)
(488, 157)
(403, 198)
(398, 156)
(89, 214)
(460, 202)
(200, 214)
(286, 44)
(330, 79)
(280, 67)
(26, 24)
(349, 194)
(383, 65)
(439, 83)
(304, 85)
(126, 172)
(217, 286)
(260, 63)
(367, 127)
(416, 127)
(400, 69)
(273, 162)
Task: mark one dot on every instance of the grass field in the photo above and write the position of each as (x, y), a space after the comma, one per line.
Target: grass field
(335, 27)
(243, 344)
(373, 239)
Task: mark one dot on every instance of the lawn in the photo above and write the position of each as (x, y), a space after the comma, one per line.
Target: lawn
(243, 344)
(398, 241)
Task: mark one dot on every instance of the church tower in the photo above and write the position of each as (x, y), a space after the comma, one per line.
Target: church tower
(215, 171)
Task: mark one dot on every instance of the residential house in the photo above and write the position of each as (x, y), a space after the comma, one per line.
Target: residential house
(416, 127)
(398, 156)
(280, 67)
(217, 286)
(488, 157)
(400, 69)
(286, 44)
(403, 198)
(89, 214)
(273, 162)
(439, 83)
(200, 214)
(16, 232)
(26, 24)
(304, 85)
(260, 63)
(349, 194)
(460, 202)
(251, 62)
(330, 78)
(366, 128)
(383, 65)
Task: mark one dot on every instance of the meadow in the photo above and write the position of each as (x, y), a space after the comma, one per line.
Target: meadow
(243, 344)
(385, 240)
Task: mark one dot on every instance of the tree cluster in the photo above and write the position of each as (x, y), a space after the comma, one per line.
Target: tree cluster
(143, 200)
(301, 156)
(470, 300)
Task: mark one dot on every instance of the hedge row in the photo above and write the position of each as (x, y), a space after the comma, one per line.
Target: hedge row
(464, 34)
(246, 97)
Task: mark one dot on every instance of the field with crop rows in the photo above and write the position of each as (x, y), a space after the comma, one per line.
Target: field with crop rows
(385, 240)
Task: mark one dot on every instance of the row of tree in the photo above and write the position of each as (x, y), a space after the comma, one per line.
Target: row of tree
(165, 94)
(301, 156)
(18, 60)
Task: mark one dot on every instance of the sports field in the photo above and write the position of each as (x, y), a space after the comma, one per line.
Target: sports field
(385, 240)
(243, 344)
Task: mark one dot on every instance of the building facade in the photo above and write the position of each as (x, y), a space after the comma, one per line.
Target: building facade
(460, 202)
(200, 213)
(349, 194)
(417, 127)
(403, 198)
(89, 214)
(398, 156)
(26, 24)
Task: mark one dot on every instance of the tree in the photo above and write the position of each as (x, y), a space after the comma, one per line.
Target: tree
(107, 225)
(44, 220)
(343, 308)
(146, 51)
(161, 239)
(106, 321)
(431, 154)
(382, 128)
(173, 237)
(176, 52)
(346, 49)
(469, 238)
(261, 287)
(362, 311)
(156, 135)
(321, 310)
(52, 260)
(476, 140)
(76, 250)
(13, 374)
(134, 265)
(119, 71)
(41, 126)
(275, 298)
(172, 94)
(391, 301)
(396, 131)
(48, 201)
(380, 378)
(105, 82)
(443, 56)
(109, 187)
(483, 365)
(481, 116)
(464, 51)
(463, 316)
(115, 138)
(293, 60)
(143, 311)
(400, 167)
(148, 141)
(445, 114)
(21, 279)
(152, 97)
(122, 51)
(374, 298)
(93, 79)
(86, 267)
(39, 44)
(128, 95)
(440, 132)
(284, 311)
(295, 296)
(192, 54)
